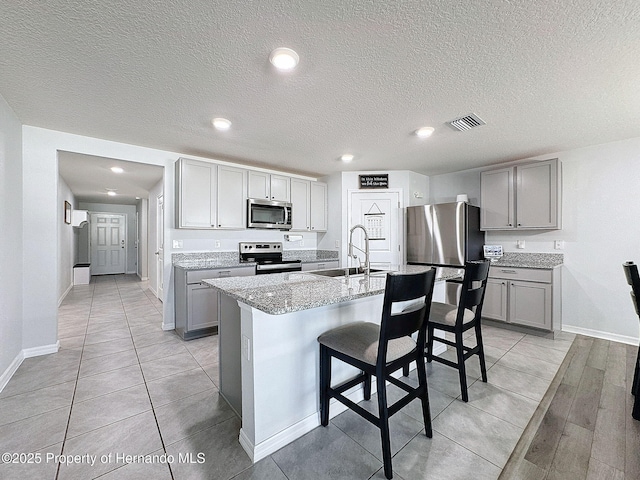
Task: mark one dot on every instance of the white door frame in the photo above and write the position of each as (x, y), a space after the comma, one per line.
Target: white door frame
(400, 226)
(160, 247)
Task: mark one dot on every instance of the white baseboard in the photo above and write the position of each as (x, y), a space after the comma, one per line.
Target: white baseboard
(599, 334)
(25, 353)
(11, 369)
(66, 292)
(43, 350)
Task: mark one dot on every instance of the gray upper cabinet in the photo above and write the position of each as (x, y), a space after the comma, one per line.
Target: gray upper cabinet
(269, 186)
(309, 201)
(300, 198)
(526, 196)
(232, 197)
(318, 207)
(195, 194)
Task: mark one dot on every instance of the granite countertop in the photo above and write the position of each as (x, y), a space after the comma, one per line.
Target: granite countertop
(530, 260)
(211, 260)
(281, 293)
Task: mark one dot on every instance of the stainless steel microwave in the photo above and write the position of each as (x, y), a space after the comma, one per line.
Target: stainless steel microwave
(268, 214)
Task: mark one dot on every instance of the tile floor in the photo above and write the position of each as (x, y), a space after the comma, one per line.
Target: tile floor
(121, 386)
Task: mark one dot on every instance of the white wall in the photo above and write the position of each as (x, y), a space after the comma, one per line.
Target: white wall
(67, 240)
(11, 248)
(130, 212)
(600, 230)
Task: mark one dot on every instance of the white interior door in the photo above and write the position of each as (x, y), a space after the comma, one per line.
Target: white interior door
(379, 213)
(160, 247)
(108, 243)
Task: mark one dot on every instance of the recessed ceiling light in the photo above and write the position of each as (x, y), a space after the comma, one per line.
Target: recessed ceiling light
(117, 170)
(221, 124)
(284, 59)
(425, 132)
(346, 158)
(111, 193)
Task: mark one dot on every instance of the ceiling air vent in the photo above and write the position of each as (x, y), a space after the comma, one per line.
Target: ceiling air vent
(467, 122)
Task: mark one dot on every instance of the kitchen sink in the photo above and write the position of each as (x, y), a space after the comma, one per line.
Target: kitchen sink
(343, 272)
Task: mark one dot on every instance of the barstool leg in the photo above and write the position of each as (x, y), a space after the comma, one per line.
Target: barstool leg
(462, 371)
(424, 396)
(483, 365)
(635, 386)
(325, 383)
(429, 350)
(383, 413)
(367, 386)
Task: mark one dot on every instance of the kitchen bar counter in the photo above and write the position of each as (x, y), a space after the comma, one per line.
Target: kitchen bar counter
(269, 354)
(209, 260)
(290, 292)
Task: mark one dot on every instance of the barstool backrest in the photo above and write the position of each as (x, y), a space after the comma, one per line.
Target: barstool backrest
(412, 293)
(633, 279)
(474, 285)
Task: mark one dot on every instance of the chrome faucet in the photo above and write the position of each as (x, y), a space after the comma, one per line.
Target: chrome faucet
(367, 264)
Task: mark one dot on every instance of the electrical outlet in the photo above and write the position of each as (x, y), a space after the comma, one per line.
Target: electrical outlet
(177, 244)
(302, 243)
(520, 243)
(558, 244)
(337, 244)
(246, 347)
(217, 243)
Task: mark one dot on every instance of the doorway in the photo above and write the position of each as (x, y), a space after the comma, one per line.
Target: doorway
(380, 213)
(108, 243)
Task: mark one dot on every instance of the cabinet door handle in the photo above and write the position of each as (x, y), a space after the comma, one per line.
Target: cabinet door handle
(225, 273)
(508, 271)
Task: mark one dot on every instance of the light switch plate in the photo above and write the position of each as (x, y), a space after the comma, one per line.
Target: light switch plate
(177, 244)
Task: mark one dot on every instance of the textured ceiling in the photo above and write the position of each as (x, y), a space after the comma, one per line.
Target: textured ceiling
(545, 76)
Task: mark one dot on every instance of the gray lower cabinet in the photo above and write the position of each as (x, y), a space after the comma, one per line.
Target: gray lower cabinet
(320, 265)
(524, 296)
(196, 305)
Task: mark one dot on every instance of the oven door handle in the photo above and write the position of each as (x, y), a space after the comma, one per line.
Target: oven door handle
(278, 266)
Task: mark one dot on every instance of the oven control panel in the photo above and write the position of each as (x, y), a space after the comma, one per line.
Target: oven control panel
(253, 247)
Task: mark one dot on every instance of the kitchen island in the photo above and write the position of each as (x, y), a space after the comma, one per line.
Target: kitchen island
(269, 356)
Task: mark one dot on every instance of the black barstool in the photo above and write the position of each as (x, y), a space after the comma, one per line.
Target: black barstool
(379, 351)
(631, 272)
(457, 319)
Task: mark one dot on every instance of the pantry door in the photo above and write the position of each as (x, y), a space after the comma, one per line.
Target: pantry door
(380, 213)
(108, 243)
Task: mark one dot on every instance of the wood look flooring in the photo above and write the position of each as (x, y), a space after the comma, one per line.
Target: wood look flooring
(583, 427)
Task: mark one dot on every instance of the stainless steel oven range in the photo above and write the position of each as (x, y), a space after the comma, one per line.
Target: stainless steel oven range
(268, 257)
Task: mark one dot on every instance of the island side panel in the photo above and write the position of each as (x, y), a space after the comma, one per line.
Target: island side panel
(230, 348)
(280, 375)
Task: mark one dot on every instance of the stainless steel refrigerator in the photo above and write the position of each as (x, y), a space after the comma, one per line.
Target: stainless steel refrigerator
(445, 234)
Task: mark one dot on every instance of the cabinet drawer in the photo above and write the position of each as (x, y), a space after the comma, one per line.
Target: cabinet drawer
(196, 276)
(524, 274)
